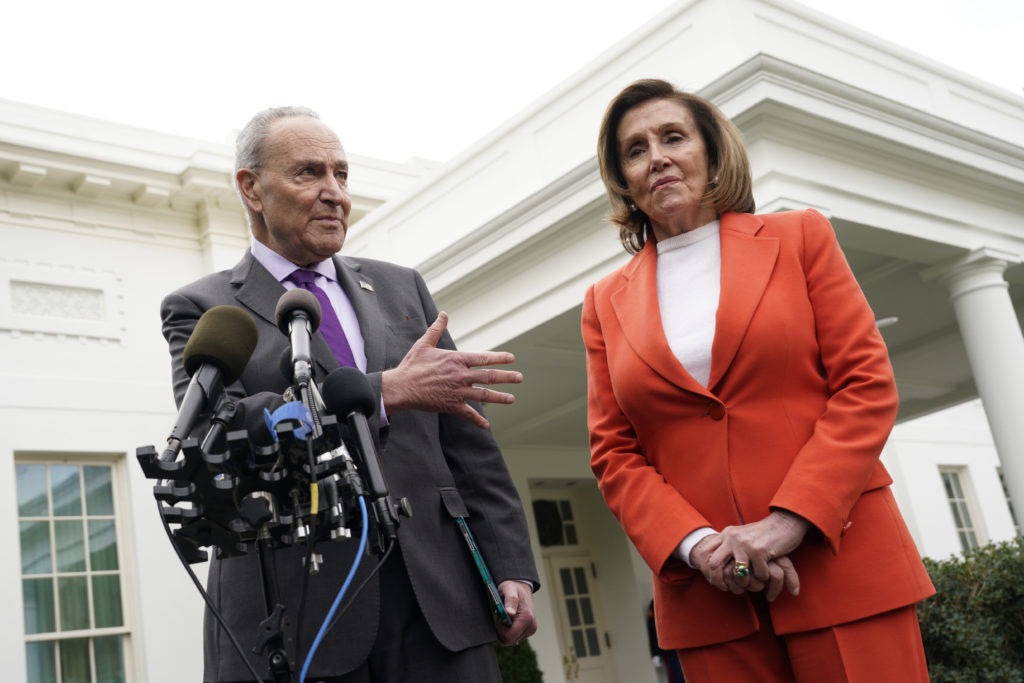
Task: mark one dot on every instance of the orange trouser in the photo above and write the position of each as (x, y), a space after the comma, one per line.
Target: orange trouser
(885, 648)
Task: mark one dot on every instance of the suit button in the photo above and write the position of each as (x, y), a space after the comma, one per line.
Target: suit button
(716, 411)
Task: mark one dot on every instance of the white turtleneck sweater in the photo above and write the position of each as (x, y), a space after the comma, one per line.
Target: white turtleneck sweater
(689, 280)
(689, 283)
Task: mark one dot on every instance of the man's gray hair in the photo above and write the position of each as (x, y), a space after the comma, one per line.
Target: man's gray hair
(249, 145)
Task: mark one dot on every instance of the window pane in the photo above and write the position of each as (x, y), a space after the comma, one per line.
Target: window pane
(955, 478)
(570, 535)
(102, 544)
(565, 509)
(70, 546)
(35, 548)
(106, 600)
(581, 579)
(42, 662)
(67, 494)
(1009, 502)
(947, 481)
(588, 612)
(38, 598)
(74, 603)
(31, 490)
(567, 587)
(957, 520)
(577, 642)
(595, 646)
(74, 661)
(99, 498)
(573, 610)
(109, 659)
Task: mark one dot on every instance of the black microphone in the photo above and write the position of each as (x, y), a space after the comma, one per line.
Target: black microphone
(347, 393)
(298, 317)
(215, 356)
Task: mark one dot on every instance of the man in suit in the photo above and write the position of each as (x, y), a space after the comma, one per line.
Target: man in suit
(426, 616)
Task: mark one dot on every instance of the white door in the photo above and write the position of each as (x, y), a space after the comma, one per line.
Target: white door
(572, 578)
(586, 656)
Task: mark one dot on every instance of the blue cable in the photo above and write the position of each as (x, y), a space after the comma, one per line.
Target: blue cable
(337, 600)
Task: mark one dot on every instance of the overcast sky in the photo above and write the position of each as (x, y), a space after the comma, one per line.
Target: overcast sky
(395, 79)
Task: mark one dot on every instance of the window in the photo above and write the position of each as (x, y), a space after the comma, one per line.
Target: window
(578, 605)
(1009, 503)
(555, 522)
(958, 505)
(71, 577)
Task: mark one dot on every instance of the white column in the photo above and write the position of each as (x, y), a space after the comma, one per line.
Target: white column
(995, 350)
(223, 235)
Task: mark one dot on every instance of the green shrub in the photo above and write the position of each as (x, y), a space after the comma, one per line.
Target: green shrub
(973, 629)
(518, 664)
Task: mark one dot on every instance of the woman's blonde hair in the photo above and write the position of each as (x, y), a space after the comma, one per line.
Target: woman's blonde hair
(732, 189)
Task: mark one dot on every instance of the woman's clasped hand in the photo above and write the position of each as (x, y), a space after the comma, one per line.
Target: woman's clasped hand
(763, 546)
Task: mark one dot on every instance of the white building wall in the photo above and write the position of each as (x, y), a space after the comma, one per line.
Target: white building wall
(98, 387)
(954, 438)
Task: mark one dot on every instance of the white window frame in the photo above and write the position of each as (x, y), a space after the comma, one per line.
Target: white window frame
(1014, 515)
(974, 528)
(126, 570)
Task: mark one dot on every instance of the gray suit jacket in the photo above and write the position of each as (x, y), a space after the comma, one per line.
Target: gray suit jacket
(443, 464)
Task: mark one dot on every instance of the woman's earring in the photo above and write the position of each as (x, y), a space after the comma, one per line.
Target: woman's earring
(632, 207)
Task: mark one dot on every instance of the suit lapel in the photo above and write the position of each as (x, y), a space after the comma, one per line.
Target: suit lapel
(636, 306)
(260, 291)
(747, 264)
(257, 288)
(359, 288)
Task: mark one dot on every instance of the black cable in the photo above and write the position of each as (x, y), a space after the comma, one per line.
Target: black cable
(209, 603)
(309, 549)
(360, 587)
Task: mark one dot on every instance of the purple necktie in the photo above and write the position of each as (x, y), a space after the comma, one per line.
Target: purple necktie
(330, 326)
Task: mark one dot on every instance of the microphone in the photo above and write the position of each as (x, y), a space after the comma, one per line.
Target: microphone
(288, 372)
(215, 356)
(347, 393)
(298, 317)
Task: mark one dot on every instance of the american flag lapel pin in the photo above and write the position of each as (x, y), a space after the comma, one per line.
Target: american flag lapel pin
(366, 285)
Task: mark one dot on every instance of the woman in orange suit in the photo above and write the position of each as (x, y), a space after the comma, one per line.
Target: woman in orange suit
(739, 397)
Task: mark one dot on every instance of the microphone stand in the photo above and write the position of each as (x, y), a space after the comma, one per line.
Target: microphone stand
(273, 630)
(242, 495)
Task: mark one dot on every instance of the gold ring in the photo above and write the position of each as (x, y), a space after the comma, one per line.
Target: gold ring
(741, 568)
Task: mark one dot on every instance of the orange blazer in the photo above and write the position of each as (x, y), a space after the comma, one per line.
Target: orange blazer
(800, 402)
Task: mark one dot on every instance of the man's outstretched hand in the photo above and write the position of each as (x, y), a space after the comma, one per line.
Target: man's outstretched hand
(442, 381)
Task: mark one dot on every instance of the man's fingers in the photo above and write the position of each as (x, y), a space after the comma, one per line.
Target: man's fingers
(511, 602)
(477, 359)
(485, 395)
(519, 605)
(498, 377)
(436, 329)
(476, 418)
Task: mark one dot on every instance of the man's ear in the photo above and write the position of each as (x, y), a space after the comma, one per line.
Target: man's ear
(249, 187)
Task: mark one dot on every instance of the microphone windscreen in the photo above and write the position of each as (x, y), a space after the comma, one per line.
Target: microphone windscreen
(224, 336)
(297, 300)
(285, 365)
(346, 390)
